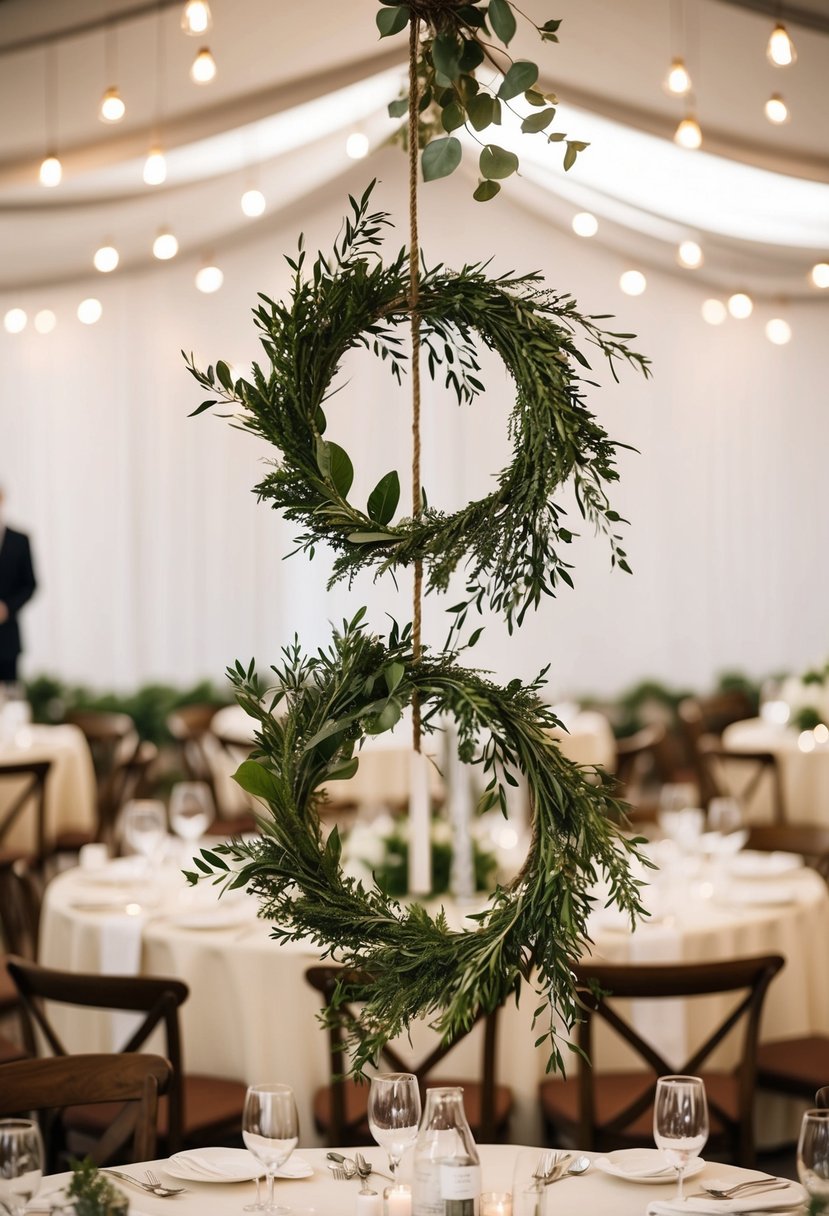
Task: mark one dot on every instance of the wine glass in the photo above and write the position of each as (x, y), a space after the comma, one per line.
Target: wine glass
(680, 1121)
(270, 1130)
(394, 1113)
(725, 816)
(191, 809)
(813, 1154)
(21, 1164)
(144, 827)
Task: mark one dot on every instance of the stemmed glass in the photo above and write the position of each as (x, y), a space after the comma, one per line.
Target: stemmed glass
(270, 1130)
(680, 1121)
(144, 827)
(813, 1154)
(21, 1164)
(394, 1113)
(191, 809)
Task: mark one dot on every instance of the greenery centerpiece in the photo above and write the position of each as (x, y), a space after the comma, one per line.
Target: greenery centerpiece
(314, 716)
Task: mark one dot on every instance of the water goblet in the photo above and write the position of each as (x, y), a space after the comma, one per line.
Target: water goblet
(191, 809)
(21, 1164)
(270, 1130)
(813, 1155)
(394, 1113)
(144, 827)
(680, 1121)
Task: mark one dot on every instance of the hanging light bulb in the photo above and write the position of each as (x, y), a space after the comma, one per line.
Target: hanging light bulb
(780, 50)
(819, 274)
(165, 246)
(209, 279)
(112, 108)
(740, 305)
(678, 80)
(196, 18)
(584, 223)
(778, 331)
(714, 312)
(90, 311)
(15, 320)
(688, 134)
(51, 171)
(633, 282)
(689, 255)
(45, 321)
(203, 67)
(106, 259)
(776, 109)
(155, 167)
(253, 203)
(357, 145)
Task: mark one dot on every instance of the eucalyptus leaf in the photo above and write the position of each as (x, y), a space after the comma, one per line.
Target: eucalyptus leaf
(502, 20)
(255, 779)
(521, 76)
(392, 20)
(497, 162)
(486, 190)
(481, 110)
(452, 116)
(538, 121)
(446, 56)
(440, 158)
(383, 499)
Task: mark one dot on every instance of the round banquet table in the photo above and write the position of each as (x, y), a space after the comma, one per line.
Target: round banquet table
(804, 774)
(70, 786)
(594, 1192)
(251, 1015)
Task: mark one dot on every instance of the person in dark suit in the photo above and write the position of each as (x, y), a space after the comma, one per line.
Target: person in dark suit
(17, 586)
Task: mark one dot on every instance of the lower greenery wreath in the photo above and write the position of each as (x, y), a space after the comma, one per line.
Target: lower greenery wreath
(534, 927)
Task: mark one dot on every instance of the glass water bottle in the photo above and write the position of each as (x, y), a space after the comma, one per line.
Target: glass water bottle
(447, 1169)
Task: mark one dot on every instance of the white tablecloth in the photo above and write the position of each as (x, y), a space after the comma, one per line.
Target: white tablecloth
(805, 774)
(70, 788)
(251, 1015)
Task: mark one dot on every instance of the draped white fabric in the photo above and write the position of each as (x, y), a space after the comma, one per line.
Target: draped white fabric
(155, 560)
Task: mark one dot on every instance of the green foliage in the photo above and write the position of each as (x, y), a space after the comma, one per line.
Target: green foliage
(392, 873)
(455, 40)
(511, 543)
(807, 718)
(92, 1193)
(531, 930)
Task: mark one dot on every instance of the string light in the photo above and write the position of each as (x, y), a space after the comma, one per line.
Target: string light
(90, 311)
(778, 331)
(740, 305)
(203, 67)
(15, 320)
(585, 224)
(714, 312)
(357, 145)
(780, 50)
(51, 171)
(819, 274)
(688, 134)
(45, 321)
(689, 255)
(155, 167)
(165, 246)
(776, 109)
(678, 79)
(253, 203)
(106, 259)
(633, 282)
(112, 108)
(209, 279)
(196, 18)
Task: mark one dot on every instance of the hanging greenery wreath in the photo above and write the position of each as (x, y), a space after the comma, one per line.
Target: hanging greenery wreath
(511, 541)
(419, 967)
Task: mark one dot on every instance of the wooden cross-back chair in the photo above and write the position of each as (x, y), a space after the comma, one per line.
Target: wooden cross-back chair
(610, 1110)
(19, 923)
(811, 841)
(742, 775)
(702, 721)
(30, 777)
(198, 1109)
(340, 1108)
(50, 1085)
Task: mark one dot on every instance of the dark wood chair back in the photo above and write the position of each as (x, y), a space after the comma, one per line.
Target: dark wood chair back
(600, 985)
(326, 980)
(742, 775)
(157, 998)
(30, 779)
(20, 897)
(31, 1086)
(703, 720)
(189, 726)
(810, 840)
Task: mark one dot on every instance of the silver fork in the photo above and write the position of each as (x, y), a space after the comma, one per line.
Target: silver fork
(758, 1186)
(152, 1188)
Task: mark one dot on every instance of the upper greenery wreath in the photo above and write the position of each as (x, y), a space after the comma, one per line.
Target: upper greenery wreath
(510, 541)
(419, 967)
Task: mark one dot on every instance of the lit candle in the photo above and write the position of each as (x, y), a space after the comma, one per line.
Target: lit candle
(398, 1200)
(420, 828)
(496, 1203)
(368, 1203)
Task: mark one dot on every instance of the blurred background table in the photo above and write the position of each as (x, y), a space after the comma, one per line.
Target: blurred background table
(803, 765)
(70, 786)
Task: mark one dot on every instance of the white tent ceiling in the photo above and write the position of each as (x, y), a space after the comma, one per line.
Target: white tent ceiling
(294, 80)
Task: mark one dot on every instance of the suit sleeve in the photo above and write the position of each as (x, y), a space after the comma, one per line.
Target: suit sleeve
(25, 583)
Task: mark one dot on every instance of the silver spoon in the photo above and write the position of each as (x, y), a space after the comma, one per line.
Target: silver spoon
(580, 1166)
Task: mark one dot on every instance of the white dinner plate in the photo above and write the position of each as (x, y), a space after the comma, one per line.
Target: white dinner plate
(120, 872)
(641, 1164)
(751, 864)
(229, 1165)
(758, 895)
(220, 916)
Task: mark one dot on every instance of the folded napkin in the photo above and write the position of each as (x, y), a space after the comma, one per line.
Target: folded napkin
(783, 1200)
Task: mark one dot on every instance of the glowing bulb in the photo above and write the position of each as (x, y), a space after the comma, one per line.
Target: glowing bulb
(714, 311)
(51, 171)
(585, 224)
(778, 331)
(357, 145)
(90, 311)
(689, 255)
(821, 733)
(105, 259)
(112, 108)
(203, 67)
(196, 18)
(633, 282)
(740, 305)
(776, 109)
(780, 50)
(14, 321)
(155, 168)
(678, 80)
(165, 246)
(209, 279)
(806, 741)
(688, 134)
(253, 202)
(45, 321)
(820, 274)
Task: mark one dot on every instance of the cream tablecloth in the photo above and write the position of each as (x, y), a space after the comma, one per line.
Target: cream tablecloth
(805, 774)
(70, 789)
